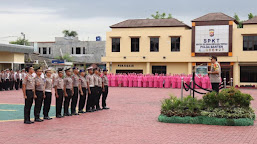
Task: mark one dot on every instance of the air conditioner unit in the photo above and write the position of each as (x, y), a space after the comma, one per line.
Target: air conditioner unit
(35, 61)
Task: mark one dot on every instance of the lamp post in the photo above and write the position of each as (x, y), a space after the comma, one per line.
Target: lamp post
(23, 37)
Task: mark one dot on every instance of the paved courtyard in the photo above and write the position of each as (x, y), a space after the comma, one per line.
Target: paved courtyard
(132, 119)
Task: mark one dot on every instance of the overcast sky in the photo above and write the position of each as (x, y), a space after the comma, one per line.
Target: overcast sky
(42, 20)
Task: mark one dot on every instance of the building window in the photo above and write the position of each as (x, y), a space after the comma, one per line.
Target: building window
(248, 74)
(72, 52)
(49, 50)
(134, 44)
(39, 50)
(84, 50)
(159, 69)
(250, 43)
(44, 50)
(175, 43)
(78, 50)
(154, 44)
(115, 44)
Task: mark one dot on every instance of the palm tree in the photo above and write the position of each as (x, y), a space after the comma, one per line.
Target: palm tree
(68, 33)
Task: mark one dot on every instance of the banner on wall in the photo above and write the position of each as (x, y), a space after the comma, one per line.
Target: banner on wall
(212, 39)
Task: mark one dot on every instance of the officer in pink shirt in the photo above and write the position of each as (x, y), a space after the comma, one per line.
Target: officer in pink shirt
(155, 80)
(135, 80)
(125, 80)
(161, 81)
(130, 79)
(145, 81)
(119, 76)
(140, 79)
(167, 82)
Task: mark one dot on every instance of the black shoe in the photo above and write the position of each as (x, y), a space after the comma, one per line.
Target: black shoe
(98, 109)
(93, 110)
(74, 114)
(81, 111)
(89, 111)
(28, 122)
(47, 118)
(66, 114)
(59, 116)
(106, 108)
(38, 120)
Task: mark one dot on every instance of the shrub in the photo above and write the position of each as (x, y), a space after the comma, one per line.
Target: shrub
(230, 113)
(211, 100)
(232, 97)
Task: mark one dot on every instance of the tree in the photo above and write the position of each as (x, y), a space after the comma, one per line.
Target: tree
(20, 41)
(68, 33)
(157, 15)
(66, 57)
(250, 16)
(240, 23)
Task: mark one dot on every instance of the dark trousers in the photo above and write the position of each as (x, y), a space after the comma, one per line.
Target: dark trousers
(104, 97)
(215, 87)
(82, 99)
(11, 84)
(59, 102)
(7, 84)
(28, 104)
(17, 84)
(97, 100)
(90, 99)
(67, 101)
(74, 100)
(95, 97)
(21, 83)
(47, 103)
(38, 103)
(1, 85)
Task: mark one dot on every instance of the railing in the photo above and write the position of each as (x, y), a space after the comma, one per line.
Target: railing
(192, 85)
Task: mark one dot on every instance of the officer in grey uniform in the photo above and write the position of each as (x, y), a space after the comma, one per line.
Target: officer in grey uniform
(39, 95)
(83, 92)
(68, 91)
(7, 79)
(105, 89)
(90, 86)
(28, 93)
(74, 100)
(11, 79)
(48, 94)
(100, 90)
(58, 84)
(95, 91)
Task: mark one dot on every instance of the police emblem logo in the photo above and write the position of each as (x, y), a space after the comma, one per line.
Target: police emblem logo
(211, 32)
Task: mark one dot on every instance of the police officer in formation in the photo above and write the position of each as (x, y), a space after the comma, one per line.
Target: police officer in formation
(28, 93)
(48, 94)
(59, 87)
(83, 92)
(66, 89)
(76, 86)
(10, 79)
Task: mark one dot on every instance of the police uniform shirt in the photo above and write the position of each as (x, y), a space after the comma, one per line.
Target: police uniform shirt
(83, 82)
(75, 79)
(3, 76)
(95, 77)
(7, 76)
(68, 82)
(100, 81)
(40, 84)
(90, 80)
(29, 81)
(105, 80)
(59, 83)
(0, 76)
(48, 84)
(215, 78)
(12, 76)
